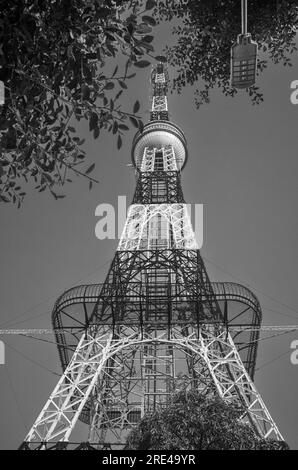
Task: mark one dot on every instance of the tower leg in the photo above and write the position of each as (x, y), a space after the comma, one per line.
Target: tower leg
(62, 410)
(96, 369)
(233, 382)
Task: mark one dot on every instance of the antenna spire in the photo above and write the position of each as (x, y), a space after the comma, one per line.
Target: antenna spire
(159, 105)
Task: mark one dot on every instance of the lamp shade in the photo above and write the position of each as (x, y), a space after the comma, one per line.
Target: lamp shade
(244, 62)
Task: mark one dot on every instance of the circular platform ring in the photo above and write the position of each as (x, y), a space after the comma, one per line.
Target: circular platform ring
(159, 134)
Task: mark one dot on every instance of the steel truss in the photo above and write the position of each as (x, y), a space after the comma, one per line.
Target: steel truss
(163, 160)
(159, 79)
(157, 226)
(158, 187)
(74, 309)
(155, 277)
(96, 367)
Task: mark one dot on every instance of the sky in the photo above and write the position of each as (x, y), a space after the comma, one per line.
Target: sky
(242, 166)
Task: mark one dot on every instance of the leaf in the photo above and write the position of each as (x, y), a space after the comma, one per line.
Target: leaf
(143, 28)
(147, 39)
(150, 4)
(134, 121)
(119, 142)
(93, 121)
(123, 127)
(130, 28)
(161, 58)
(85, 91)
(146, 46)
(142, 63)
(149, 20)
(123, 84)
(136, 107)
(138, 50)
(90, 185)
(115, 127)
(96, 132)
(109, 86)
(91, 168)
(140, 125)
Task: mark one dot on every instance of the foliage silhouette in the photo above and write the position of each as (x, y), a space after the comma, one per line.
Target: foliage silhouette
(205, 30)
(52, 56)
(192, 421)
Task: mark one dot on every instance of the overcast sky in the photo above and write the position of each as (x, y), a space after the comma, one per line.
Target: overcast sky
(242, 166)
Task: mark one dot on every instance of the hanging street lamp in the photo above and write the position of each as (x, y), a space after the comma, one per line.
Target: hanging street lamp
(244, 56)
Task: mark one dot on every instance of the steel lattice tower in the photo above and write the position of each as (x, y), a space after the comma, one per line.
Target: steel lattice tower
(156, 315)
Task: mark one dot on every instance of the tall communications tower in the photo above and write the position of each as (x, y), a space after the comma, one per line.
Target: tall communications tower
(122, 343)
